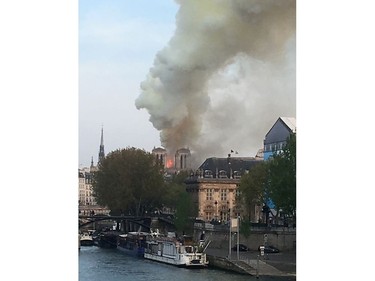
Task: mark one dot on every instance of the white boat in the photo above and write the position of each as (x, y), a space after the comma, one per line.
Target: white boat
(171, 251)
(86, 239)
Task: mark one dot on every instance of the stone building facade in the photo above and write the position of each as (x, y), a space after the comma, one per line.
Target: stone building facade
(214, 199)
(87, 204)
(214, 189)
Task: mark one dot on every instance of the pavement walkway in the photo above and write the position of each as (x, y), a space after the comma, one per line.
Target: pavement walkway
(278, 264)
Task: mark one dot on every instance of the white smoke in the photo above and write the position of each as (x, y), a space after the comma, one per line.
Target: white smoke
(225, 76)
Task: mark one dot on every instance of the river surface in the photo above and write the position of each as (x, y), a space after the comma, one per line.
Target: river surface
(99, 264)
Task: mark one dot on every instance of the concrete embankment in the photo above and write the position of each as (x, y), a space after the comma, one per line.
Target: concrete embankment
(249, 263)
(225, 264)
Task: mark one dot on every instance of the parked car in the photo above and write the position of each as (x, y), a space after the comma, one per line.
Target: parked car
(269, 249)
(241, 247)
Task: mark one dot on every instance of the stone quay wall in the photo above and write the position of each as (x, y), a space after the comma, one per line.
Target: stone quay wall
(283, 238)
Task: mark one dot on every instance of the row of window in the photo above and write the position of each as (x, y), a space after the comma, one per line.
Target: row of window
(221, 216)
(274, 146)
(86, 200)
(223, 194)
(86, 191)
(222, 174)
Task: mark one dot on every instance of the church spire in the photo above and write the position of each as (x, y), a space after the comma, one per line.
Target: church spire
(101, 148)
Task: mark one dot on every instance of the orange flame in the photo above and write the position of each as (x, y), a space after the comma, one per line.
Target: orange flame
(169, 163)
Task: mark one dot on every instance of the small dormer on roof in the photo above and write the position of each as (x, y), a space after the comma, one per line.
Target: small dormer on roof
(229, 167)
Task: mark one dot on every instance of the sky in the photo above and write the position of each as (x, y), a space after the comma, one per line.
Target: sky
(138, 61)
(118, 40)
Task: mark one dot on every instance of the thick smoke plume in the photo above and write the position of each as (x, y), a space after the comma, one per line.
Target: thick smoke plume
(225, 76)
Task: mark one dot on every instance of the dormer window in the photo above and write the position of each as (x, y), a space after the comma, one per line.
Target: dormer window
(208, 174)
(236, 174)
(222, 174)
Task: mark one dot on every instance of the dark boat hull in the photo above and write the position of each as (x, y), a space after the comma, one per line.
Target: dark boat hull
(106, 240)
(87, 242)
(136, 252)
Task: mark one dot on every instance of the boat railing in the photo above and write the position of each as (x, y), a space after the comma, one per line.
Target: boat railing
(162, 239)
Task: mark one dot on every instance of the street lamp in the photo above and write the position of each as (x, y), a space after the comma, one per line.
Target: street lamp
(229, 166)
(238, 237)
(265, 211)
(228, 212)
(216, 214)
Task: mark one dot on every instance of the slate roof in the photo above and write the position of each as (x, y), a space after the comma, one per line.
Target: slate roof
(240, 164)
(280, 130)
(290, 122)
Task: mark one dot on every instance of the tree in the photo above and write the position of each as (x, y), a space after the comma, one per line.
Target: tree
(252, 186)
(129, 181)
(184, 212)
(177, 198)
(282, 178)
(174, 188)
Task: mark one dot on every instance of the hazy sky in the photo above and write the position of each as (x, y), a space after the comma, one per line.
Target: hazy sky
(209, 75)
(38, 100)
(118, 40)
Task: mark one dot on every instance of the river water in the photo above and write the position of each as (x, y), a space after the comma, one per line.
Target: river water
(99, 264)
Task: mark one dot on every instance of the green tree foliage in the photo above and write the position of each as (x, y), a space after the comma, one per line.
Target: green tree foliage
(252, 186)
(245, 227)
(177, 198)
(184, 213)
(282, 178)
(174, 187)
(129, 181)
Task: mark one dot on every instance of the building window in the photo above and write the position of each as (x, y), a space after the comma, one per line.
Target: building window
(209, 194)
(222, 174)
(208, 174)
(236, 174)
(208, 216)
(223, 196)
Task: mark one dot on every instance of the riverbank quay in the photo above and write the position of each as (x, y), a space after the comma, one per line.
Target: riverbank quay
(281, 265)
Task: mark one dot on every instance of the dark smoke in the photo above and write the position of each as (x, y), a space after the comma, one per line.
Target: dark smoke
(225, 76)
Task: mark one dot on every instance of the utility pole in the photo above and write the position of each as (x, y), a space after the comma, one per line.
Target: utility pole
(230, 235)
(238, 237)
